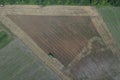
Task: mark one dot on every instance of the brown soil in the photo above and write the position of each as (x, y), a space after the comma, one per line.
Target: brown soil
(64, 36)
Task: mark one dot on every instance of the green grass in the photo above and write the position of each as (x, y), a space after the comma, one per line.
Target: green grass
(17, 62)
(111, 16)
(4, 39)
(5, 36)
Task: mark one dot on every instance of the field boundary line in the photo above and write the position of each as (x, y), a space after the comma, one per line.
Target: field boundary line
(49, 10)
(104, 32)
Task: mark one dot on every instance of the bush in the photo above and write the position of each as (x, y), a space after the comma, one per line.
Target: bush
(64, 2)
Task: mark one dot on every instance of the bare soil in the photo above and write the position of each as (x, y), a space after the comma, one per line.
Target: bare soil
(64, 36)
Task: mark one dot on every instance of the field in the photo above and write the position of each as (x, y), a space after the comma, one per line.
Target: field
(66, 37)
(5, 36)
(73, 41)
(49, 36)
(100, 64)
(111, 16)
(17, 62)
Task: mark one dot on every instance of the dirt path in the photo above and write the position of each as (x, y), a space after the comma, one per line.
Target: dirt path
(48, 10)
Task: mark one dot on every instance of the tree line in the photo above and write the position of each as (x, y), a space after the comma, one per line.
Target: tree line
(64, 2)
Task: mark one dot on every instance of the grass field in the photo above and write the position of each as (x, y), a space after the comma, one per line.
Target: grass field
(5, 36)
(17, 62)
(111, 16)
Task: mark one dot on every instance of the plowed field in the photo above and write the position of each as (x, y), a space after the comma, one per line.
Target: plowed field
(64, 36)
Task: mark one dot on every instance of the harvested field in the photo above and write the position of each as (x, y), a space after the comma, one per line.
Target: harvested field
(17, 62)
(64, 36)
